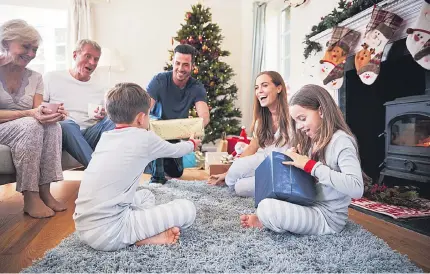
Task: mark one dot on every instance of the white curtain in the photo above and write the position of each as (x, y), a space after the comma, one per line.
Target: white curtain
(79, 25)
(258, 41)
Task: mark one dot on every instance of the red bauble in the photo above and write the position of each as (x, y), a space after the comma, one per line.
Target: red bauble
(188, 15)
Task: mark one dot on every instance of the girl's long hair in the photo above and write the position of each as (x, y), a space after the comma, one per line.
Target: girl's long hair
(317, 98)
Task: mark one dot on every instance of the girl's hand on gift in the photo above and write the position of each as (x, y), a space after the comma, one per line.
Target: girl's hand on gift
(299, 161)
(217, 180)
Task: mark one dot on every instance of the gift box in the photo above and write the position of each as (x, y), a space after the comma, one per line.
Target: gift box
(178, 128)
(288, 183)
(200, 159)
(189, 160)
(214, 164)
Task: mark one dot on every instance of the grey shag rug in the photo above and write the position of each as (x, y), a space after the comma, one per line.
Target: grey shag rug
(217, 243)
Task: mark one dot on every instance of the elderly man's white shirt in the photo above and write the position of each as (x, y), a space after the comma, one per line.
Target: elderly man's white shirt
(62, 87)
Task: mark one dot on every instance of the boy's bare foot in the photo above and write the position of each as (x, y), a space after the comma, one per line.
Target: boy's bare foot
(250, 220)
(170, 236)
(35, 207)
(49, 200)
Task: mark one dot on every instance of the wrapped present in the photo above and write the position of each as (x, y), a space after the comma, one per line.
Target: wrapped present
(178, 128)
(288, 183)
(200, 160)
(214, 162)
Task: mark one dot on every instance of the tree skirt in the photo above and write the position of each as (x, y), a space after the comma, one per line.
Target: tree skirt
(396, 212)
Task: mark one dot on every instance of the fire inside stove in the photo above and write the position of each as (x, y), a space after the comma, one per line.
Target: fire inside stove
(411, 131)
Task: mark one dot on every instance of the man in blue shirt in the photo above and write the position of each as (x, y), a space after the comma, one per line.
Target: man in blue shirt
(176, 92)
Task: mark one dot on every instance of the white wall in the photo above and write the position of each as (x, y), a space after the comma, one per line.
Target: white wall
(141, 31)
(50, 4)
(302, 19)
(142, 34)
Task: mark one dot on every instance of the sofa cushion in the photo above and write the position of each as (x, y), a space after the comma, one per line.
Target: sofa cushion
(68, 162)
(6, 163)
(7, 167)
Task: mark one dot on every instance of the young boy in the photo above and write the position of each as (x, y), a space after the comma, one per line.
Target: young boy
(109, 213)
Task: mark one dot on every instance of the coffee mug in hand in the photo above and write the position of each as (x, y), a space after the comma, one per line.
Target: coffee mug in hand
(51, 106)
(94, 109)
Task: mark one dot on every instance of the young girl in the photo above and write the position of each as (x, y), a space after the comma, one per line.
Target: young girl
(324, 146)
(270, 127)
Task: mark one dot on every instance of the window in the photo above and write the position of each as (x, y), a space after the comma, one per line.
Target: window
(285, 44)
(52, 26)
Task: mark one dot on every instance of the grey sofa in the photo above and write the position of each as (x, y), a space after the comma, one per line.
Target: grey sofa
(7, 169)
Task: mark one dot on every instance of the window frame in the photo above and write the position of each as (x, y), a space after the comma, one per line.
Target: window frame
(284, 39)
(46, 21)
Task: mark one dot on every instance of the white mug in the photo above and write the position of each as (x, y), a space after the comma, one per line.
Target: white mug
(51, 106)
(92, 108)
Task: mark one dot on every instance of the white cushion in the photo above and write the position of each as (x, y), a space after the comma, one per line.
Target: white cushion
(6, 163)
(7, 167)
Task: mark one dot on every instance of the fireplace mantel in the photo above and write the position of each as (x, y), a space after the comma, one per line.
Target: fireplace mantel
(407, 9)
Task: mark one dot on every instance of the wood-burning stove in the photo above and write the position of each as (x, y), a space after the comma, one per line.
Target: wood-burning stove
(407, 139)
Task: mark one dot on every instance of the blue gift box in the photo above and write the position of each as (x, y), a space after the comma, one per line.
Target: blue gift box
(288, 183)
(189, 160)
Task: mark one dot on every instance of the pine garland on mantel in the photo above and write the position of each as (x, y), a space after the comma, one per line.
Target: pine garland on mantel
(345, 10)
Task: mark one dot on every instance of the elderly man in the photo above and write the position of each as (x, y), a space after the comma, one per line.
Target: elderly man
(176, 92)
(78, 92)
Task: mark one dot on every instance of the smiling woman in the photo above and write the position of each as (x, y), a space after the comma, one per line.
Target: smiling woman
(30, 130)
(270, 133)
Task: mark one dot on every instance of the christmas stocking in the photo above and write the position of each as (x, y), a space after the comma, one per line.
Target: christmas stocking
(418, 40)
(382, 26)
(332, 64)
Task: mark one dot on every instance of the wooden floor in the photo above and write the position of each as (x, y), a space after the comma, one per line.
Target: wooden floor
(24, 239)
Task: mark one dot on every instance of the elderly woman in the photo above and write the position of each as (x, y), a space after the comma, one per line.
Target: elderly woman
(31, 131)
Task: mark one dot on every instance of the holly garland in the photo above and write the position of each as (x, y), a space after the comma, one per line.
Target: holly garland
(406, 196)
(345, 10)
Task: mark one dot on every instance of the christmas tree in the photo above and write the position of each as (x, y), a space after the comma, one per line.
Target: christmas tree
(199, 32)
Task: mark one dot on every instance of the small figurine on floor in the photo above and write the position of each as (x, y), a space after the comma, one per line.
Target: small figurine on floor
(241, 144)
(239, 148)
